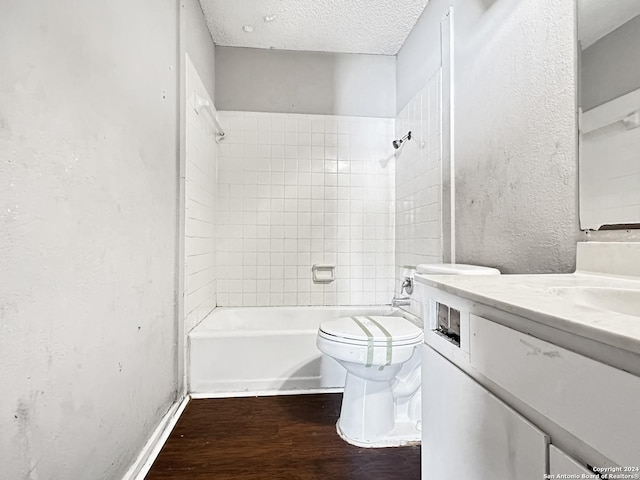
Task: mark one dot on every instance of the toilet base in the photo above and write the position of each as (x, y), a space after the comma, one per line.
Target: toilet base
(403, 434)
(372, 417)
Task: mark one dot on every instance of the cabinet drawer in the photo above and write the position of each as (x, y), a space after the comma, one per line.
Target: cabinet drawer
(593, 401)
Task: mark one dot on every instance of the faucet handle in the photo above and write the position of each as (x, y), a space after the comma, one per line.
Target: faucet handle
(407, 285)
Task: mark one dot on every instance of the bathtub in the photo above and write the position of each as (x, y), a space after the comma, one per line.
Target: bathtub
(266, 350)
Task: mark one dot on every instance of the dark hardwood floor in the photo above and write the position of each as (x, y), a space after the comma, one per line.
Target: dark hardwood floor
(289, 437)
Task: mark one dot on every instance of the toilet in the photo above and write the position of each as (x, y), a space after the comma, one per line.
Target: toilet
(381, 404)
(381, 400)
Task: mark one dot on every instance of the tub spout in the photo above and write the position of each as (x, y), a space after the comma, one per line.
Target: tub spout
(400, 301)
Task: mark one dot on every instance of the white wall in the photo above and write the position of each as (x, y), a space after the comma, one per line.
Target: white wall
(88, 179)
(418, 183)
(514, 127)
(199, 44)
(611, 66)
(200, 208)
(251, 79)
(294, 190)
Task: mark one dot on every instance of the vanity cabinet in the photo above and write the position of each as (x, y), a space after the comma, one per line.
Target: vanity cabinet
(495, 402)
(594, 402)
(562, 464)
(471, 434)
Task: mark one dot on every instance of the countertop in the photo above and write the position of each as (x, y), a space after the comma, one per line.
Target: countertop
(528, 296)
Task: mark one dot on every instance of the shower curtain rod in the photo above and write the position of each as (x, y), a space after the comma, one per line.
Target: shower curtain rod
(203, 103)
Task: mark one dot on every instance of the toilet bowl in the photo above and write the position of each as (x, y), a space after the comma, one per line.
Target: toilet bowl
(381, 400)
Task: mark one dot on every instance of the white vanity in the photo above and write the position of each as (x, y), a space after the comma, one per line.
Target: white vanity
(544, 377)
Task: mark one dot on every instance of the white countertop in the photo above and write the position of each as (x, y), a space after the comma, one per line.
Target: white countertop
(528, 297)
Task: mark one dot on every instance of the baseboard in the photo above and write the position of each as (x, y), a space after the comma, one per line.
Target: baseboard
(265, 393)
(152, 448)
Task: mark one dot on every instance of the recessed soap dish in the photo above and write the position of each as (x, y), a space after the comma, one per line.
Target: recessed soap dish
(323, 273)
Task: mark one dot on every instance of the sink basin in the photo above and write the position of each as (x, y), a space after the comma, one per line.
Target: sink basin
(624, 301)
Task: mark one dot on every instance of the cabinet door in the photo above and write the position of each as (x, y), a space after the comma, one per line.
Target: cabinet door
(467, 433)
(595, 402)
(561, 464)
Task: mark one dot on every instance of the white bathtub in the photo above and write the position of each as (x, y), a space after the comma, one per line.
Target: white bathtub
(265, 350)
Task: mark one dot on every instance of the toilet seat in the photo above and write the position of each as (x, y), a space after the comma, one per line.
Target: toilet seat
(373, 330)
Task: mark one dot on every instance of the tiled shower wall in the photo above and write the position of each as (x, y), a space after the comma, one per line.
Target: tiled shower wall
(418, 182)
(296, 190)
(200, 183)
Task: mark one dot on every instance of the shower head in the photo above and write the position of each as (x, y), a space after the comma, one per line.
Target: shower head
(397, 143)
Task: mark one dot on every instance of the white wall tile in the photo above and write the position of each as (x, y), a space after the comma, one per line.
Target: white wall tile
(286, 185)
(418, 209)
(200, 208)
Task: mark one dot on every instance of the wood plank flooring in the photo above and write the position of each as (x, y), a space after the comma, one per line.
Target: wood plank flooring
(290, 437)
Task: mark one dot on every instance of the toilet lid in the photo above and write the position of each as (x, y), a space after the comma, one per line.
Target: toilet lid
(374, 328)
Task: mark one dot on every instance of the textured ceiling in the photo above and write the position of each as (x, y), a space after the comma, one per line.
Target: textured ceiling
(350, 26)
(597, 18)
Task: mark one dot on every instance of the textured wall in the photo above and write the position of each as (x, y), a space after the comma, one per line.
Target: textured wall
(249, 79)
(87, 233)
(514, 127)
(296, 190)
